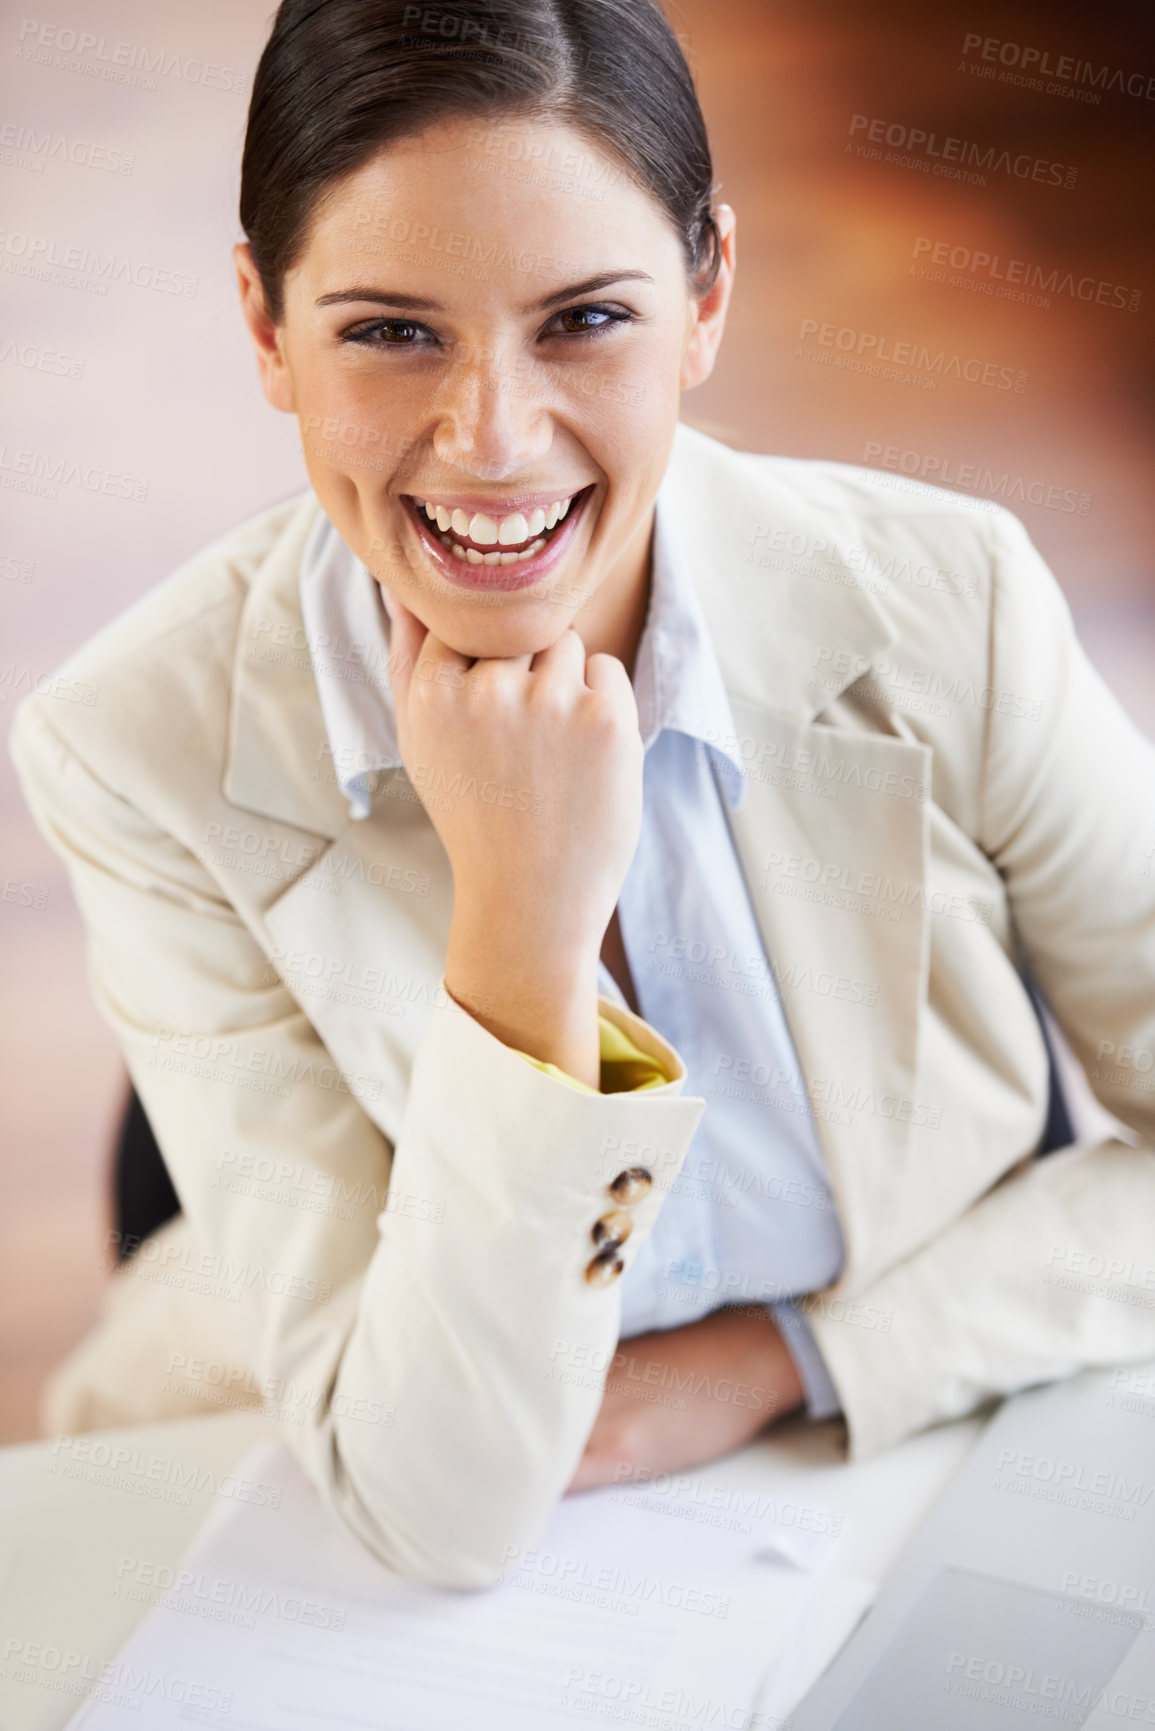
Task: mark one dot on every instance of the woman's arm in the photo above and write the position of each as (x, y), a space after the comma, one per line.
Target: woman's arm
(678, 1397)
(1054, 1268)
(418, 1324)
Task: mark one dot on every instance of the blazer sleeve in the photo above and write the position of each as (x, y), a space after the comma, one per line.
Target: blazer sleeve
(419, 1317)
(1053, 1269)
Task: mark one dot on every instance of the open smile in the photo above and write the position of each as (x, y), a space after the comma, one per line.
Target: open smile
(497, 550)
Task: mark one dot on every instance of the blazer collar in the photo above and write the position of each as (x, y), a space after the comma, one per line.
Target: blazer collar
(787, 641)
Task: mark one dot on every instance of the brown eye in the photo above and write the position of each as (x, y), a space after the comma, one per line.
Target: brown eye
(385, 333)
(588, 320)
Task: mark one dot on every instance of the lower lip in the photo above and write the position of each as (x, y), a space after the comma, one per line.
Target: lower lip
(499, 578)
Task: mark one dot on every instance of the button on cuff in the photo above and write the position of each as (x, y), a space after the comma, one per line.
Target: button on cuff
(605, 1267)
(612, 1229)
(632, 1184)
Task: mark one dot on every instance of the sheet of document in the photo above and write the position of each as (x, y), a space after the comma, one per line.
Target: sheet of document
(836, 1611)
(663, 1605)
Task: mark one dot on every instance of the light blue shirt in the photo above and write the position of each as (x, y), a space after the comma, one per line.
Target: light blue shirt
(750, 1218)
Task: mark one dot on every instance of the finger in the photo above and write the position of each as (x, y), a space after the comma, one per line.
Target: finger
(406, 637)
(415, 650)
(441, 664)
(519, 663)
(605, 673)
(494, 669)
(565, 657)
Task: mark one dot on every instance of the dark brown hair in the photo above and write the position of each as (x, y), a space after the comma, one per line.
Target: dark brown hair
(339, 79)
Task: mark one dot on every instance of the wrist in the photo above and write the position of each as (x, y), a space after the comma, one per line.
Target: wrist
(759, 1341)
(545, 1007)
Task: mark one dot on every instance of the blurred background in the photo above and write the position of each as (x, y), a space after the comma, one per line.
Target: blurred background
(133, 430)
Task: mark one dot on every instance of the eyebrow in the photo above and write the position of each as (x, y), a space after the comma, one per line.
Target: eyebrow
(421, 303)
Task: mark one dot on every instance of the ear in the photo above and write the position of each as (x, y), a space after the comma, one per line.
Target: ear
(708, 313)
(267, 337)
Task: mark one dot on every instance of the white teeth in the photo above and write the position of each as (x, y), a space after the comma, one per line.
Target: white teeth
(486, 531)
(475, 558)
(513, 530)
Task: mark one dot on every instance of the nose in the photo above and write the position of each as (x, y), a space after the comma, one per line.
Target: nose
(492, 418)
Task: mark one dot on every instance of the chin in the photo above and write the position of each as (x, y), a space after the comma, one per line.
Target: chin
(498, 638)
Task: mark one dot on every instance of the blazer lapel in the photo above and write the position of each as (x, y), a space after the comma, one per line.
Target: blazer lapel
(279, 762)
(361, 938)
(833, 830)
(836, 874)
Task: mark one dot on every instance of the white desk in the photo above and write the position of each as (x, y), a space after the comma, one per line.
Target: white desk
(68, 1526)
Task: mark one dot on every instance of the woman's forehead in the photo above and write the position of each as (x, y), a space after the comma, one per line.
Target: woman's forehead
(439, 202)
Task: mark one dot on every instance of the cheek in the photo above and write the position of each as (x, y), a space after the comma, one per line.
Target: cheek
(636, 381)
(625, 420)
(350, 421)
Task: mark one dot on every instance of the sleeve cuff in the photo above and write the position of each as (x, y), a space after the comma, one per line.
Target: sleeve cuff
(625, 1068)
(822, 1399)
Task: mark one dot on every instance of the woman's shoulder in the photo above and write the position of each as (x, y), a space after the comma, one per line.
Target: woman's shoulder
(218, 576)
(768, 526)
(848, 497)
(152, 686)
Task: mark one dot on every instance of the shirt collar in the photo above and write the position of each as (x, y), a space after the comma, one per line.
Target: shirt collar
(677, 681)
(347, 635)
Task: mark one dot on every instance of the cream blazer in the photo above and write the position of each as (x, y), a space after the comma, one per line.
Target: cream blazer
(386, 1213)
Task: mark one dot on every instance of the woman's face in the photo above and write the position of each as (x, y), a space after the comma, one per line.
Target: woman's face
(490, 320)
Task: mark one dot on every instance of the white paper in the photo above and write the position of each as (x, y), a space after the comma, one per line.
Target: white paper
(833, 1617)
(641, 1604)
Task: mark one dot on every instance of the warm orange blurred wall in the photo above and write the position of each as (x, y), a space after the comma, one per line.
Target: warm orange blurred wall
(866, 242)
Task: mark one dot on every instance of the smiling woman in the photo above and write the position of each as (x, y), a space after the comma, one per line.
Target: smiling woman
(573, 897)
